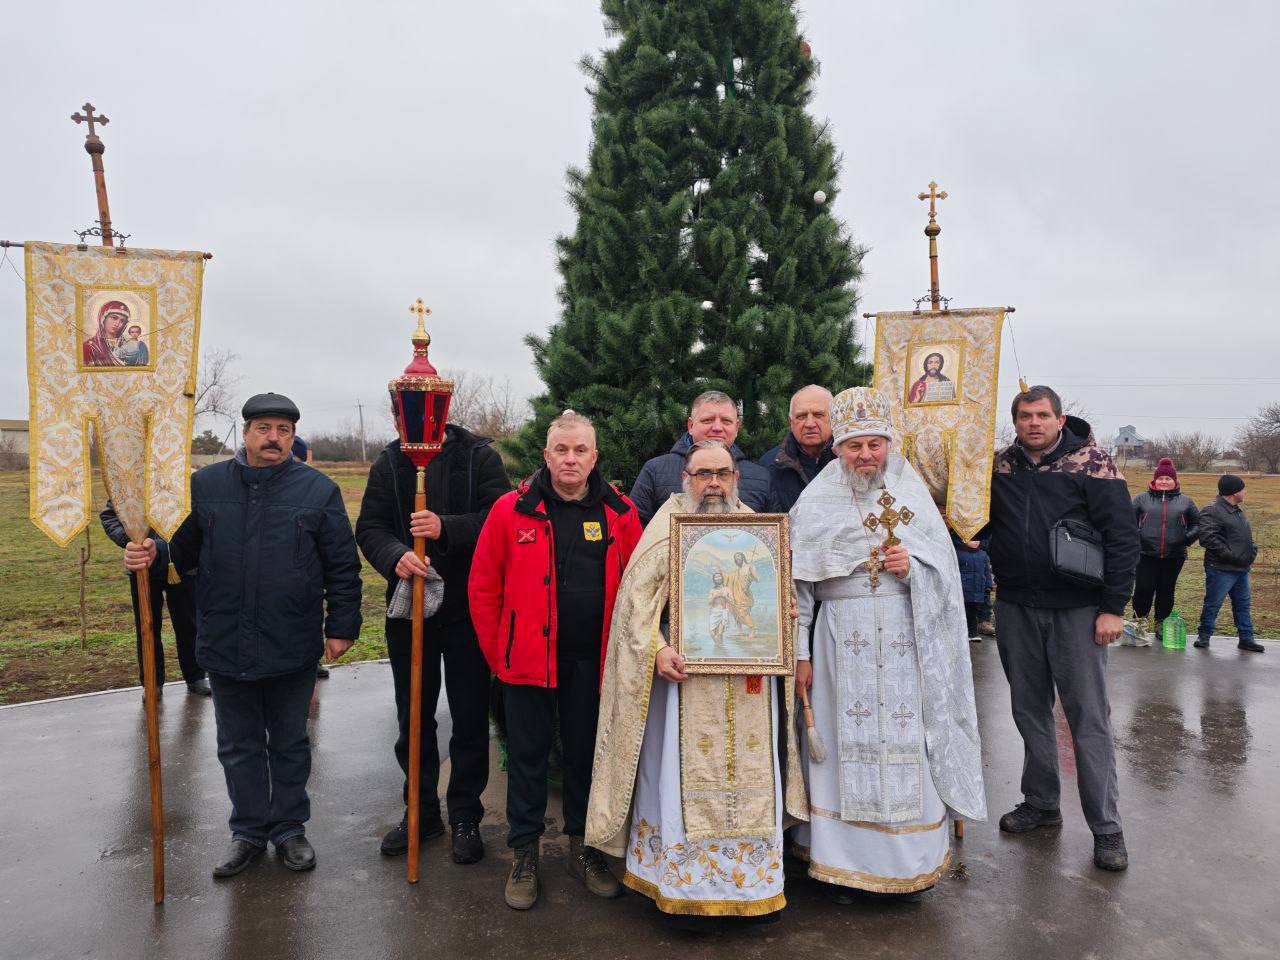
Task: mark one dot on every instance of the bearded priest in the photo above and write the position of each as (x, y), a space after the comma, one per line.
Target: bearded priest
(892, 689)
(698, 754)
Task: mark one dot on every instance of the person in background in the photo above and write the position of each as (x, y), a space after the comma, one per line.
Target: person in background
(805, 450)
(712, 416)
(1168, 523)
(975, 580)
(180, 597)
(301, 451)
(1229, 552)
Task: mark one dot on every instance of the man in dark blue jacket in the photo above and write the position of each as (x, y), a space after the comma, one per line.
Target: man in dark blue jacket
(273, 546)
(807, 447)
(713, 416)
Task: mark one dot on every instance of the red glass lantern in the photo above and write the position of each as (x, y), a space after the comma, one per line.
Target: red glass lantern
(420, 399)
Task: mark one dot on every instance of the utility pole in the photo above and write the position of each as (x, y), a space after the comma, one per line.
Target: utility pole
(364, 458)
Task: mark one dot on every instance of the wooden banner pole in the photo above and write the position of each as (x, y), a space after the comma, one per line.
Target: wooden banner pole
(146, 625)
(94, 146)
(415, 687)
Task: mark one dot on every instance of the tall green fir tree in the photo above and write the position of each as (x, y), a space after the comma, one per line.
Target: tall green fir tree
(701, 259)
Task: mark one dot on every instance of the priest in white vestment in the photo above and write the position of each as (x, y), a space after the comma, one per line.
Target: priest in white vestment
(889, 672)
(687, 782)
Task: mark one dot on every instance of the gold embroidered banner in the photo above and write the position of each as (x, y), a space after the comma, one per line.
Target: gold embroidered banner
(940, 371)
(111, 343)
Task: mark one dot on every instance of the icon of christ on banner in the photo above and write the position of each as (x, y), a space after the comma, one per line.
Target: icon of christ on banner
(940, 365)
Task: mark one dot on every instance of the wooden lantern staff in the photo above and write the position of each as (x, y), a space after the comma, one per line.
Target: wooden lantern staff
(94, 146)
(415, 684)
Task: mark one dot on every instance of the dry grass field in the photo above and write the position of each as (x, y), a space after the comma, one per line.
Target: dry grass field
(41, 654)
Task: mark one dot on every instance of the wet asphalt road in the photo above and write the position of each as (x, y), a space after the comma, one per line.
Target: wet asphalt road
(1200, 795)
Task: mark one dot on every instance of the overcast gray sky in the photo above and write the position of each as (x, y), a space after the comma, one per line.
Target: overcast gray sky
(1110, 169)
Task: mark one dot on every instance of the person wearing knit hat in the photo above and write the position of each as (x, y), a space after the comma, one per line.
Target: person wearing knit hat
(1168, 523)
(1229, 552)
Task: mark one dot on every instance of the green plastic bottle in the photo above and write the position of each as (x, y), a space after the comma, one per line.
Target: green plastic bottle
(1173, 635)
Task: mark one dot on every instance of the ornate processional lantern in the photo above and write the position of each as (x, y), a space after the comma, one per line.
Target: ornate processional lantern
(420, 402)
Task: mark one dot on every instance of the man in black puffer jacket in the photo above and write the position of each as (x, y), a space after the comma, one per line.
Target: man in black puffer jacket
(1229, 552)
(462, 483)
(712, 416)
(1168, 523)
(273, 546)
(1052, 631)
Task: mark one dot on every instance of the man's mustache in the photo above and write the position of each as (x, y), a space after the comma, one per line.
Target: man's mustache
(272, 446)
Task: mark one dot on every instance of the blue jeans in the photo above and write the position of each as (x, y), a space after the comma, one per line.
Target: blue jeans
(265, 753)
(1218, 585)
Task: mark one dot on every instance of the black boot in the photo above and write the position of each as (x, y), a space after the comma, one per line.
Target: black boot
(239, 855)
(395, 842)
(1024, 817)
(1253, 646)
(297, 853)
(467, 845)
(1109, 852)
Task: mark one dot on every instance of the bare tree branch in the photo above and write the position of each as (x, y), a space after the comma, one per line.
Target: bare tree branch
(215, 385)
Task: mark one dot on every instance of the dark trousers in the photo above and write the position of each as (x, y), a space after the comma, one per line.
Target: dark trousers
(972, 614)
(531, 724)
(1157, 577)
(182, 614)
(1218, 585)
(265, 753)
(466, 685)
(1041, 649)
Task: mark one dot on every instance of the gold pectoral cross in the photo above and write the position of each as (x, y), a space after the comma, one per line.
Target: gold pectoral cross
(888, 518)
(874, 566)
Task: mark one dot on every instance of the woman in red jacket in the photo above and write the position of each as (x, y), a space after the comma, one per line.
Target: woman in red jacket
(542, 588)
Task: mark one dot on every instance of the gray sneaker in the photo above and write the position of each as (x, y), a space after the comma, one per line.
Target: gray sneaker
(522, 885)
(588, 865)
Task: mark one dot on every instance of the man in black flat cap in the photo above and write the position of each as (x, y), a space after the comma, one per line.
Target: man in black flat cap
(1229, 552)
(273, 546)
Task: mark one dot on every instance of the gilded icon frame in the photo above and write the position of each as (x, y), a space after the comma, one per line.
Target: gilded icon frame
(701, 545)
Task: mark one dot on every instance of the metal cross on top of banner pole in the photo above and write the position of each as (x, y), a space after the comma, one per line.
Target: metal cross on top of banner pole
(94, 146)
(931, 231)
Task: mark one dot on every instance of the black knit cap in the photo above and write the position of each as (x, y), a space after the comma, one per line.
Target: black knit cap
(270, 405)
(1228, 484)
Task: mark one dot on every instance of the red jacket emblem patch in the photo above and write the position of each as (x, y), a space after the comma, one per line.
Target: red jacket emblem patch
(526, 534)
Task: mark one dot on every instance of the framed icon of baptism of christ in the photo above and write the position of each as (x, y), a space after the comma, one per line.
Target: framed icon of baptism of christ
(730, 593)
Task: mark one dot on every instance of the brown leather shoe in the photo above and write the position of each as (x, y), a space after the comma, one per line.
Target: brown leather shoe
(588, 865)
(522, 884)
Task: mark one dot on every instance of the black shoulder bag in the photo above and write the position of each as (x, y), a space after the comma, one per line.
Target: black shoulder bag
(1075, 549)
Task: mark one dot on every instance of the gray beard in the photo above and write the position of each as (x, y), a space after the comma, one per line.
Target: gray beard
(861, 483)
(716, 506)
(703, 505)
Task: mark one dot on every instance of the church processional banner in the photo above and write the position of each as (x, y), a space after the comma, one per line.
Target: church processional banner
(112, 339)
(941, 369)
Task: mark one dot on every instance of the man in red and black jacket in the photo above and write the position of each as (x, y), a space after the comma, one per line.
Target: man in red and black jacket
(542, 588)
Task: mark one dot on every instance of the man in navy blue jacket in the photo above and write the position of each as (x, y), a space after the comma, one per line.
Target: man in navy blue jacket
(273, 546)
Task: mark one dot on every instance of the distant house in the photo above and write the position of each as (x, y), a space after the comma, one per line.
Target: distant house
(1127, 442)
(15, 436)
